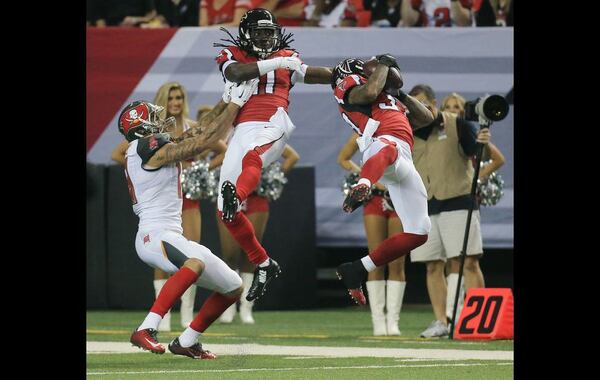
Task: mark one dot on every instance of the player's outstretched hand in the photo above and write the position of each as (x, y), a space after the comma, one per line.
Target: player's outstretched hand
(227, 91)
(241, 93)
(388, 60)
(291, 63)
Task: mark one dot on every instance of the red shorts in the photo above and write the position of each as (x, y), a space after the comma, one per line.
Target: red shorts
(375, 207)
(256, 203)
(189, 203)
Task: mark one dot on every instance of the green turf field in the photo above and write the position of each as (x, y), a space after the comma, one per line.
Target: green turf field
(348, 327)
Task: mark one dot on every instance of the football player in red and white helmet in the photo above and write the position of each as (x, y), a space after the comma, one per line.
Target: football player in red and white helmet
(384, 122)
(262, 128)
(152, 169)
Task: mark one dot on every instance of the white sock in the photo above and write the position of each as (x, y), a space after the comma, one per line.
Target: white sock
(188, 337)
(151, 322)
(187, 306)
(165, 323)
(264, 263)
(368, 263)
(365, 181)
(452, 280)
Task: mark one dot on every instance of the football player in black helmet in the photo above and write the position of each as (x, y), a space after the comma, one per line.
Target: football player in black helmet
(259, 32)
(261, 38)
(260, 51)
(346, 67)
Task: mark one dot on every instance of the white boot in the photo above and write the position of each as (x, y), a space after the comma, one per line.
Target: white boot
(452, 280)
(165, 323)
(187, 306)
(394, 297)
(376, 291)
(228, 314)
(246, 306)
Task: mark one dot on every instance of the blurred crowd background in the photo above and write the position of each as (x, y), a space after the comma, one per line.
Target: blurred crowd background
(315, 13)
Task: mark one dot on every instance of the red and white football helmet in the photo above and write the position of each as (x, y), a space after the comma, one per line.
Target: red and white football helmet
(141, 118)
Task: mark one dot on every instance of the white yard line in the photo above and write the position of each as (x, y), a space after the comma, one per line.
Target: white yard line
(319, 351)
(291, 369)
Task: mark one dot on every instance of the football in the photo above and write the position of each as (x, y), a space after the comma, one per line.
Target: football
(393, 80)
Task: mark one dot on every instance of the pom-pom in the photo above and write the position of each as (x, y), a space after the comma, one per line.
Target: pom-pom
(489, 191)
(350, 180)
(197, 182)
(271, 182)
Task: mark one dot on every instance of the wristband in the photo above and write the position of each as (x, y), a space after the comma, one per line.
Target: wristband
(268, 65)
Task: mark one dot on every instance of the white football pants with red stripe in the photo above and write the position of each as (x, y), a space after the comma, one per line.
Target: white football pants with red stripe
(268, 138)
(405, 185)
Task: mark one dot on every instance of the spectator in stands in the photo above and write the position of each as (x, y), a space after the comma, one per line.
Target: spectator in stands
(176, 13)
(493, 12)
(442, 155)
(455, 104)
(381, 222)
(386, 13)
(314, 12)
(173, 97)
(357, 13)
(256, 208)
(287, 12)
(121, 12)
(436, 13)
(223, 12)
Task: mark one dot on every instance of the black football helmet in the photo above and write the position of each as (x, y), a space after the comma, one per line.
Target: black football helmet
(141, 118)
(260, 34)
(347, 67)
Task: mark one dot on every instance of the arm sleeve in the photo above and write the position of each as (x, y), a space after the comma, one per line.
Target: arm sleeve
(148, 146)
(342, 90)
(467, 136)
(298, 76)
(224, 59)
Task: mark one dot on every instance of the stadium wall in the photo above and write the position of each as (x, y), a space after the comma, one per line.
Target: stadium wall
(130, 64)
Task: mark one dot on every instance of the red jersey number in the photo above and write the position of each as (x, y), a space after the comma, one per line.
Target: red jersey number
(442, 16)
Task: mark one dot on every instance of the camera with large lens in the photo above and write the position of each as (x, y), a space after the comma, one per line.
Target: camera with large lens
(486, 109)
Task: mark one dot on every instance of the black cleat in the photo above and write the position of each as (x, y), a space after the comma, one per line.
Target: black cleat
(230, 201)
(352, 276)
(357, 195)
(262, 277)
(195, 351)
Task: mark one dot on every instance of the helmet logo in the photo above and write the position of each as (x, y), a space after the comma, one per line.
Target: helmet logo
(134, 118)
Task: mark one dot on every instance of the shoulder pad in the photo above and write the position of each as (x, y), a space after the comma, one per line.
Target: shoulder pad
(148, 146)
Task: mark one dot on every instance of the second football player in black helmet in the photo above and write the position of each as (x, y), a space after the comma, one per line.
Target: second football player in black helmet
(262, 127)
(259, 33)
(262, 47)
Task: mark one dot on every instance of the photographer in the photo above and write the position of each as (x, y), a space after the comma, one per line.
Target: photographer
(442, 155)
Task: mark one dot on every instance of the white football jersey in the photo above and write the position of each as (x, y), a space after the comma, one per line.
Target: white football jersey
(156, 194)
(437, 12)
